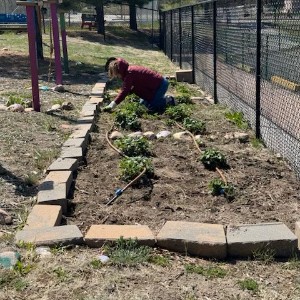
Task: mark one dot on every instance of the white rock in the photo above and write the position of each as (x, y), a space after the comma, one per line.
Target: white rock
(3, 107)
(116, 135)
(135, 134)
(163, 134)
(242, 137)
(16, 108)
(56, 107)
(229, 136)
(183, 135)
(149, 135)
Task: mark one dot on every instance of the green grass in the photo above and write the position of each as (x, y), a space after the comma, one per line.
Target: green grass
(207, 271)
(249, 284)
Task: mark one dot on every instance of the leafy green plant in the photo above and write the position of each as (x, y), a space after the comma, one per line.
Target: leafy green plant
(178, 112)
(213, 158)
(257, 143)
(15, 100)
(182, 89)
(127, 252)
(127, 120)
(248, 284)
(61, 273)
(184, 98)
(133, 107)
(219, 187)
(208, 272)
(22, 268)
(133, 146)
(237, 118)
(131, 167)
(194, 126)
(132, 98)
(96, 263)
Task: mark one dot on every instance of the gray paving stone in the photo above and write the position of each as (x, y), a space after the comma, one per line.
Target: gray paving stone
(64, 164)
(51, 236)
(76, 142)
(244, 240)
(201, 239)
(297, 233)
(72, 152)
(57, 177)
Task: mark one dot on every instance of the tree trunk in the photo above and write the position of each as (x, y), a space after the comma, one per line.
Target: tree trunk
(100, 19)
(132, 15)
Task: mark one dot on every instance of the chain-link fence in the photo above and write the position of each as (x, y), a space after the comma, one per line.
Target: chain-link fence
(247, 57)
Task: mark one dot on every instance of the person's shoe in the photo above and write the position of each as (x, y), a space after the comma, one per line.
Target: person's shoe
(170, 101)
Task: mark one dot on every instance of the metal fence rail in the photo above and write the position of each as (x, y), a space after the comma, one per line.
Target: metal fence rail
(247, 57)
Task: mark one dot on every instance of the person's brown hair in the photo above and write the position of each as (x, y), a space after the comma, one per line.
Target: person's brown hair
(113, 69)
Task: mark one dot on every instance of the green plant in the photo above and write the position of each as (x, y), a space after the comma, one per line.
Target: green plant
(213, 158)
(133, 146)
(43, 158)
(257, 143)
(178, 112)
(184, 98)
(96, 263)
(208, 272)
(127, 120)
(219, 187)
(28, 246)
(22, 268)
(127, 252)
(194, 126)
(160, 260)
(16, 100)
(131, 167)
(182, 89)
(237, 118)
(31, 178)
(61, 273)
(58, 101)
(249, 284)
(133, 107)
(293, 263)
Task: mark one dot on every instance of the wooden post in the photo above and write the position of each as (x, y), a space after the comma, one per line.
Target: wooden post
(64, 42)
(55, 29)
(30, 12)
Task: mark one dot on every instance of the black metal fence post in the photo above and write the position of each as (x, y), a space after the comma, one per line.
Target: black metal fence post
(193, 42)
(215, 50)
(258, 67)
(171, 29)
(180, 40)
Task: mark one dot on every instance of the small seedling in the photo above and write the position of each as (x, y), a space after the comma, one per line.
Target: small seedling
(237, 118)
(61, 273)
(219, 187)
(178, 112)
(160, 260)
(127, 120)
(249, 284)
(96, 263)
(212, 159)
(194, 126)
(21, 268)
(127, 252)
(133, 166)
(133, 146)
(208, 272)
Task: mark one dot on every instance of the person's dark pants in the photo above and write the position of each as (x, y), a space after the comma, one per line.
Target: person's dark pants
(158, 104)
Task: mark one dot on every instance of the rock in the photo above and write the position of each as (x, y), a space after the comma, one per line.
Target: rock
(4, 49)
(183, 135)
(67, 106)
(5, 218)
(241, 136)
(212, 138)
(8, 259)
(135, 134)
(16, 108)
(29, 109)
(43, 251)
(197, 98)
(116, 135)
(229, 136)
(163, 134)
(55, 107)
(149, 135)
(3, 107)
(59, 88)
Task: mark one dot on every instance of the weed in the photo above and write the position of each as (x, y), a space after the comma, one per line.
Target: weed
(22, 268)
(182, 89)
(194, 126)
(178, 112)
(237, 118)
(96, 263)
(6, 277)
(213, 158)
(58, 101)
(31, 179)
(257, 143)
(266, 255)
(131, 167)
(249, 284)
(184, 98)
(17, 99)
(44, 157)
(208, 272)
(133, 146)
(128, 252)
(160, 260)
(28, 246)
(293, 263)
(61, 273)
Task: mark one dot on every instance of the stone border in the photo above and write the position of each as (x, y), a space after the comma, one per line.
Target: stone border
(200, 239)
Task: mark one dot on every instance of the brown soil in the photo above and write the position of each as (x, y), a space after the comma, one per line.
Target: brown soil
(266, 189)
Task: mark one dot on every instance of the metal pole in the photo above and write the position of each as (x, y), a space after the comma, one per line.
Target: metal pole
(215, 50)
(171, 54)
(258, 67)
(180, 40)
(193, 43)
(64, 42)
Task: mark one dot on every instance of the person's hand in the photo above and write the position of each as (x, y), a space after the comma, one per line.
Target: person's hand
(110, 107)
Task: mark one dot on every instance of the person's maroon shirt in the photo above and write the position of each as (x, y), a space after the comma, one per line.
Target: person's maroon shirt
(138, 80)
